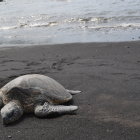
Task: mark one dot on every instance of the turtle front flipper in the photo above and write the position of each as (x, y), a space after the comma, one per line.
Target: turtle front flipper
(48, 109)
(11, 112)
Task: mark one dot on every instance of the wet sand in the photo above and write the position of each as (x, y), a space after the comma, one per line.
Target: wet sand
(107, 73)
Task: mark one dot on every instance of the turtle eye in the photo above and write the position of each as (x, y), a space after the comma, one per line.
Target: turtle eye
(10, 114)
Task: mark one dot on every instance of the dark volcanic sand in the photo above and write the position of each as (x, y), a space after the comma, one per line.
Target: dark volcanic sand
(107, 73)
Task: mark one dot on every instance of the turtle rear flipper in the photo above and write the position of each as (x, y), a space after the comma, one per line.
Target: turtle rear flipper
(73, 92)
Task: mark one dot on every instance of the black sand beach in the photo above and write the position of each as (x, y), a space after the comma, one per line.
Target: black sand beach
(107, 73)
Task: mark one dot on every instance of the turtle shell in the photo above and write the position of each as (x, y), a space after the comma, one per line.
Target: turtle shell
(34, 88)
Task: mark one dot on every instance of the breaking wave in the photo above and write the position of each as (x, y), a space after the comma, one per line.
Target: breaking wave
(96, 23)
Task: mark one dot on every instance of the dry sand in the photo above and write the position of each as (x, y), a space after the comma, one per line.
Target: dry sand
(107, 73)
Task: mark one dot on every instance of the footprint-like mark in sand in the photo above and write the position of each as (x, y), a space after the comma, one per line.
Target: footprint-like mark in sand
(58, 65)
(5, 61)
(33, 63)
(15, 69)
(105, 64)
(118, 73)
(135, 76)
(24, 61)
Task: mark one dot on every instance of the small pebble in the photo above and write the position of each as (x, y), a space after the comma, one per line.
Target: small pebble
(9, 136)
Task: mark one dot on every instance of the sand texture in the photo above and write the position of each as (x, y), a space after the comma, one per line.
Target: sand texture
(107, 73)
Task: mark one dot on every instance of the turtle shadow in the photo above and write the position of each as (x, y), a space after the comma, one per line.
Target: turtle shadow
(50, 116)
(71, 102)
(25, 116)
(56, 115)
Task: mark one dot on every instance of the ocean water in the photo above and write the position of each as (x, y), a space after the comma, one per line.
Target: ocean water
(29, 22)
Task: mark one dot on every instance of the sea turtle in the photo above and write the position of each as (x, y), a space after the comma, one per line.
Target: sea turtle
(35, 93)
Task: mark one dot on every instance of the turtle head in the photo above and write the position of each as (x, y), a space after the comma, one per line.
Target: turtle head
(11, 112)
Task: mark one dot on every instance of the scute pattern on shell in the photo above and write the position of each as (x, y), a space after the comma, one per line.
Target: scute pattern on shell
(34, 88)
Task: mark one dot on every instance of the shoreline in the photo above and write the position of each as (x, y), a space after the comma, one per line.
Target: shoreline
(63, 44)
(107, 73)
